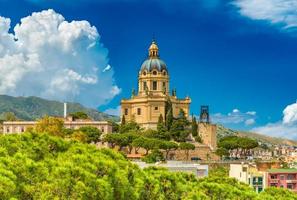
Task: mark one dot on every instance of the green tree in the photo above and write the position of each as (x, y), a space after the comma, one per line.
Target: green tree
(179, 131)
(154, 156)
(194, 127)
(146, 143)
(130, 126)
(186, 147)
(79, 115)
(92, 134)
(9, 116)
(50, 125)
(168, 114)
(167, 147)
(222, 152)
(123, 122)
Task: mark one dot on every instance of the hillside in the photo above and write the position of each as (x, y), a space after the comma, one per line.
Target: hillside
(32, 108)
(223, 131)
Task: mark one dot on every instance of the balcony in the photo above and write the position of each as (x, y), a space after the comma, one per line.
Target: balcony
(291, 181)
(273, 180)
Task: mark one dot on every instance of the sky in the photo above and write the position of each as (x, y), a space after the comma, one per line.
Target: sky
(237, 56)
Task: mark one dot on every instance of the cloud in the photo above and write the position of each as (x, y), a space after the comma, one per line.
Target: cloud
(249, 122)
(50, 57)
(290, 114)
(235, 117)
(107, 68)
(285, 128)
(278, 12)
(114, 111)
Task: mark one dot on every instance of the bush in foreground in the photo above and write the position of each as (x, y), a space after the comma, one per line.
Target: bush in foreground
(39, 166)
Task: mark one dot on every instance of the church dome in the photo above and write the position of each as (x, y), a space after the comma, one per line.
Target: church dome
(153, 61)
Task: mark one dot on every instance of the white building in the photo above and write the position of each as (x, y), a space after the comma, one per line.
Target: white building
(248, 174)
(10, 127)
(198, 170)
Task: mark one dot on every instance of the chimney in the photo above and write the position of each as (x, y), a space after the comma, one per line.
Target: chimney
(65, 110)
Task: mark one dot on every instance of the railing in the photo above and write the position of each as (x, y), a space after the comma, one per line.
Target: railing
(274, 180)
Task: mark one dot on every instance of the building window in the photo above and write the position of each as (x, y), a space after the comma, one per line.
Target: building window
(22, 129)
(154, 85)
(254, 180)
(102, 129)
(273, 176)
(7, 130)
(144, 85)
(260, 180)
(273, 184)
(156, 108)
(144, 73)
(138, 111)
(282, 177)
(126, 111)
(260, 189)
(290, 186)
(164, 73)
(154, 72)
(291, 177)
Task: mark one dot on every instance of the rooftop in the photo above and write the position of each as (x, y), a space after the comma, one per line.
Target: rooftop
(282, 170)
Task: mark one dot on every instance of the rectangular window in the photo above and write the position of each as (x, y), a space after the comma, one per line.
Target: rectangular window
(273, 176)
(126, 111)
(260, 189)
(102, 129)
(164, 86)
(282, 177)
(138, 111)
(154, 85)
(291, 177)
(290, 186)
(156, 108)
(144, 85)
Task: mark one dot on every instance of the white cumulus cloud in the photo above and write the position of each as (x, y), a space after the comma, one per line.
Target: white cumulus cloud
(235, 117)
(286, 128)
(282, 12)
(47, 56)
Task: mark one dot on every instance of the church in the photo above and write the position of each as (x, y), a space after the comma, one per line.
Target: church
(147, 104)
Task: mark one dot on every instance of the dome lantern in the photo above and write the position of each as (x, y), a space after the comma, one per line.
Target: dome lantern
(154, 50)
(153, 61)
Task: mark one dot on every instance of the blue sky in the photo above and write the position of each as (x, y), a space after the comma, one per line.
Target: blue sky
(238, 57)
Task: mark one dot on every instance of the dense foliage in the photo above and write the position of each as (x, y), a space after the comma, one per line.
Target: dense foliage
(242, 145)
(40, 166)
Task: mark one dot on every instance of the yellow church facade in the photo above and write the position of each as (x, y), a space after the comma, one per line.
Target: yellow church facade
(149, 102)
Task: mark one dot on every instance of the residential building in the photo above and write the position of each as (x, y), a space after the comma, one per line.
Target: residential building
(282, 178)
(248, 174)
(21, 126)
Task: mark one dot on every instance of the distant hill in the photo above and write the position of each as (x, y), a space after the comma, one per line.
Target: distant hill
(223, 131)
(32, 108)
